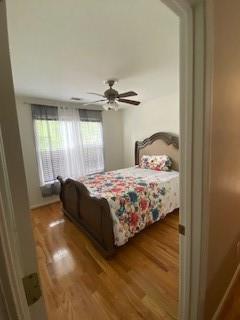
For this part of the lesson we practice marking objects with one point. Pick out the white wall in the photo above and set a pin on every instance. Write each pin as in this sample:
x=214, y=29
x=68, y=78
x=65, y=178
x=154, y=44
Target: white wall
x=113, y=142
x=153, y=116
x=113, y=139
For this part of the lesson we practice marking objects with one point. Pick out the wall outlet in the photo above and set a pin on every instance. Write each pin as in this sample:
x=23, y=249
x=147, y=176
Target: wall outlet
x=238, y=250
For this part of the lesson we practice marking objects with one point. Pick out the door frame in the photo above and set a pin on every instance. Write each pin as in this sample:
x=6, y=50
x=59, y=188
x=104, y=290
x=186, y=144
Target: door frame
x=191, y=15
x=17, y=250
x=10, y=249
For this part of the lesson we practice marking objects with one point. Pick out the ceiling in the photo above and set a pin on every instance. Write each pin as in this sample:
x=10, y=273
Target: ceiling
x=63, y=49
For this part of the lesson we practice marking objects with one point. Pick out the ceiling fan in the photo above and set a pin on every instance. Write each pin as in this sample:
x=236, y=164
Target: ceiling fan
x=111, y=97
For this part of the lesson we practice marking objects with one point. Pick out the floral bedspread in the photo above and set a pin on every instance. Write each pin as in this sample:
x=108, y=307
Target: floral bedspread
x=137, y=197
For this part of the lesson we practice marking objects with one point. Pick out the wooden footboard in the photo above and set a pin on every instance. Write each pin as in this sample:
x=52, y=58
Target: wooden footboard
x=91, y=214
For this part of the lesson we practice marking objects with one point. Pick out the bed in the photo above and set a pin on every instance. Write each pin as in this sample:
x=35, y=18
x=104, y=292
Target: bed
x=111, y=207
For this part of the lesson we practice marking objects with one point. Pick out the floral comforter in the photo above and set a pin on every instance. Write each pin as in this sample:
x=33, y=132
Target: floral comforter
x=137, y=197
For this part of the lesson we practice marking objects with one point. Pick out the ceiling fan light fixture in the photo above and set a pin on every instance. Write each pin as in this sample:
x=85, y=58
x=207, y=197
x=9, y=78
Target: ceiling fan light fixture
x=112, y=97
x=106, y=106
x=110, y=106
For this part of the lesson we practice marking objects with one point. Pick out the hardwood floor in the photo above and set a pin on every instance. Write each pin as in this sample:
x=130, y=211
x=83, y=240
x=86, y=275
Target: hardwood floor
x=139, y=282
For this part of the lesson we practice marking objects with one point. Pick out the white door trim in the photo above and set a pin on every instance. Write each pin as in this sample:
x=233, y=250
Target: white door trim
x=191, y=14
x=209, y=72
x=9, y=241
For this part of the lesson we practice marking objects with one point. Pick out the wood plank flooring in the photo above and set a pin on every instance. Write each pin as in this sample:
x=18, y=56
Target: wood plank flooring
x=139, y=282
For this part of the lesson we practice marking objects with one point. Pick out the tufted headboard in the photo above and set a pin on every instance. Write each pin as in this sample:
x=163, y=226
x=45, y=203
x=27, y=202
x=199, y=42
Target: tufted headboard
x=158, y=144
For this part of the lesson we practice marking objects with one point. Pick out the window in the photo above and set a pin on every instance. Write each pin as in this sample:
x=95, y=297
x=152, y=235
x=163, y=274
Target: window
x=50, y=149
x=69, y=142
x=92, y=138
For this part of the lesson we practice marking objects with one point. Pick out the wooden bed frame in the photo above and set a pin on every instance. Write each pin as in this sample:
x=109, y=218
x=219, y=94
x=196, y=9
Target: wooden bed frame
x=92, y=215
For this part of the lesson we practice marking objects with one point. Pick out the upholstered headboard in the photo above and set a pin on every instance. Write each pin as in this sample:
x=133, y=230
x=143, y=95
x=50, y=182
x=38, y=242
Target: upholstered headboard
x=158, y=144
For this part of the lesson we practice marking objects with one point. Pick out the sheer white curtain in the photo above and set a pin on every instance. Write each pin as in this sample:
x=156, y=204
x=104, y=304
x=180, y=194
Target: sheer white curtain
x=72, y=142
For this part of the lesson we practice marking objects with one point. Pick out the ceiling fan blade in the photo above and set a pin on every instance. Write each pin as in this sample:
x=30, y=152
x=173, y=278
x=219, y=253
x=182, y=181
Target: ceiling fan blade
x=89, y=103
x=96, y=94
x=127, y=94
x=135, y=103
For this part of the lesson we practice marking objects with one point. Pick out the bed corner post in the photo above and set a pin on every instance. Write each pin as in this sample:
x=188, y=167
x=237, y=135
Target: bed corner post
x=60, y=179
x=136, y=153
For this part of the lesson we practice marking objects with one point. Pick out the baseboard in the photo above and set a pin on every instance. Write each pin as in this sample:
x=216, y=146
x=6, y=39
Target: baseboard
x=36, y=206
x=229, y=288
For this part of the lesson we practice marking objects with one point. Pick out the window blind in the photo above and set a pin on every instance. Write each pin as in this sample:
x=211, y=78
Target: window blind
x=90, y=115
x=92, y=138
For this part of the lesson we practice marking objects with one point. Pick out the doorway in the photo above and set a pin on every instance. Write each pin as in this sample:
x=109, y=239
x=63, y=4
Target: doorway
x=186, y=15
